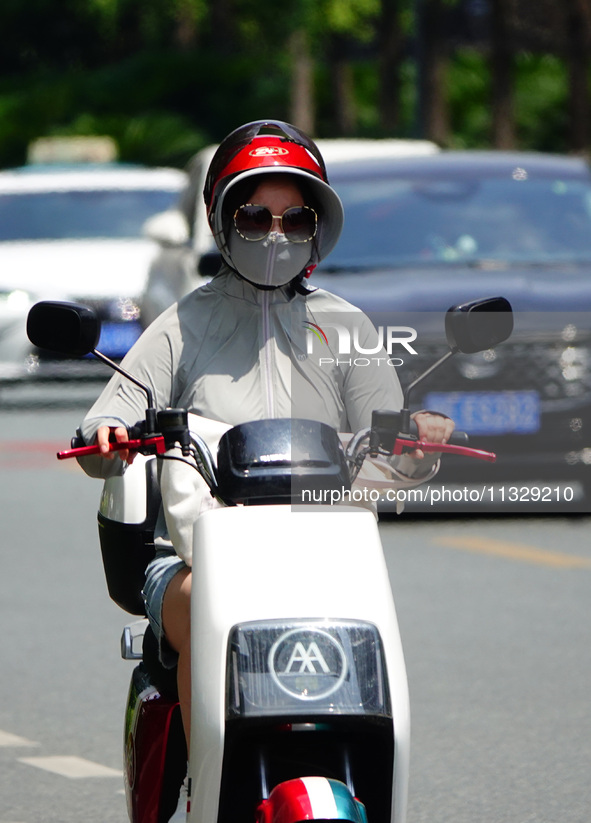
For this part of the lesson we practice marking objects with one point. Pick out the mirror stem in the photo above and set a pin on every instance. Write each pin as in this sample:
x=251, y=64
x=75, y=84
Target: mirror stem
x=151, y=420
x=405, y=411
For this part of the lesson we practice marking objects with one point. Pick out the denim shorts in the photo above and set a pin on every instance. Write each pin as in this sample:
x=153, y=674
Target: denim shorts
x=159, y=573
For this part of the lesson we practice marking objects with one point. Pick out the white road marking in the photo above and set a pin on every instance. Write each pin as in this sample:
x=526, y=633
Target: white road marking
x=72, y=767
x=7, y=739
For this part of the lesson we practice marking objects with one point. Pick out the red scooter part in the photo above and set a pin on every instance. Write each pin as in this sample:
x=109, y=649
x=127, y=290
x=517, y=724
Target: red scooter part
x=148, y=445
x=403, y=446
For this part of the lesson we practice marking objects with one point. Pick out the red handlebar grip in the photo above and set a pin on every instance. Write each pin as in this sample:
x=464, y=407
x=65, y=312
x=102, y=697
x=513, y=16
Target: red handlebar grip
x=445, y=448
x=156, y=444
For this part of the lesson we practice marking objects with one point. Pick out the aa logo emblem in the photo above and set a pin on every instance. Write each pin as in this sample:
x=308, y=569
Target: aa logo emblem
x=308, y=663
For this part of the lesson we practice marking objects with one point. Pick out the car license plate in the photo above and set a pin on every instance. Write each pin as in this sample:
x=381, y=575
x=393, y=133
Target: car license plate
x=117, y=338
x=508, y=412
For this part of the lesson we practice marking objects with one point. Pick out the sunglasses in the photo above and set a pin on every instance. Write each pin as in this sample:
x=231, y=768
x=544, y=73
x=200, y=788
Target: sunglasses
x=298, y=224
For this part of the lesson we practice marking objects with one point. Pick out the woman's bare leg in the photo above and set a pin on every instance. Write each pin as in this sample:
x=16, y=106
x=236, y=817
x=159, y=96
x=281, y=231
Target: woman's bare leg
x=176, y=618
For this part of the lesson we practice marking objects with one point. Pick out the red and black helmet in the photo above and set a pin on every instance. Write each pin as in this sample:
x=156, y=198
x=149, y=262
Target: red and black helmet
x=267, y=147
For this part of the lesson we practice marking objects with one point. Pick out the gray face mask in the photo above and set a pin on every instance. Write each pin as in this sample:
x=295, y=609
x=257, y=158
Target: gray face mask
x=272, y=262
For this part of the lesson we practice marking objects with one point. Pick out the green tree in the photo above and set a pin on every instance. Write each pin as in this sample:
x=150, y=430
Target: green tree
x=166, y=76
x=432, y=58
x=578, y=42
x=391, y=38
x=502, y=68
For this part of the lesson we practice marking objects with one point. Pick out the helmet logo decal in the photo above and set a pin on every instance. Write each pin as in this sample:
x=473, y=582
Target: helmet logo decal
x=268, y=151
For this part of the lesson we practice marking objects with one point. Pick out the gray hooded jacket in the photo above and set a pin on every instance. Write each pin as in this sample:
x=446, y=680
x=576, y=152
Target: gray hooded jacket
x=232, y=352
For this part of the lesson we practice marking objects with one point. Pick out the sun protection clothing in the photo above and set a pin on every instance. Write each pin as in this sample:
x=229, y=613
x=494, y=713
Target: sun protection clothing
x=233, y=353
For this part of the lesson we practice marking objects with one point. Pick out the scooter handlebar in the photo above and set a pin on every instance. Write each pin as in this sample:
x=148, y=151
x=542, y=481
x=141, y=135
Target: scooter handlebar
x=155, y=445
x=459, y=439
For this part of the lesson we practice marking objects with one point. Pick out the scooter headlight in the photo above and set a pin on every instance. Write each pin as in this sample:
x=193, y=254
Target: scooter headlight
x=324, y=667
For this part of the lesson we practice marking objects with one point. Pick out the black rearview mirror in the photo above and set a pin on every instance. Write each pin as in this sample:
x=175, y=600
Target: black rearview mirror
x=470, y=327
x=478, y=325
x=70, y=328
x=67, y=328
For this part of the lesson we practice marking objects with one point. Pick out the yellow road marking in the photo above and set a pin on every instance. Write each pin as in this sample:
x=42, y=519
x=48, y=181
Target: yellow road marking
x=515, y=551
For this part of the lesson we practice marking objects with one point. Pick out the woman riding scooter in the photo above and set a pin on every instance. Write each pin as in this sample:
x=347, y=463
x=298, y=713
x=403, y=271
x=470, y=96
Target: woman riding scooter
x=235, y=350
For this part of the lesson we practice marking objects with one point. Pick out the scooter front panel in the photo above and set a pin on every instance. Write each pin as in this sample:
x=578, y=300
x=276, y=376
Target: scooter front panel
x=280, y=563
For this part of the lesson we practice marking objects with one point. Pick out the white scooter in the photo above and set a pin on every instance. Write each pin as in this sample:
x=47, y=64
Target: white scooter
x=299, y=692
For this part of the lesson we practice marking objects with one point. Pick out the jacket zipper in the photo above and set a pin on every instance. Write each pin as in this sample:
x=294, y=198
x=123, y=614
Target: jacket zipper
x=268, y=353
x=267, y=358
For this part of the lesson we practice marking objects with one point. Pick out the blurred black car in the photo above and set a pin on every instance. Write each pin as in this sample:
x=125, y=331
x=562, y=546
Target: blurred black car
x=424, y=233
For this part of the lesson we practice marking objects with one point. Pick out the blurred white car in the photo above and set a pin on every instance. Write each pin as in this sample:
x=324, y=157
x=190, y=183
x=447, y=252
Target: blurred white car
x=189, y=257
x=75, y=233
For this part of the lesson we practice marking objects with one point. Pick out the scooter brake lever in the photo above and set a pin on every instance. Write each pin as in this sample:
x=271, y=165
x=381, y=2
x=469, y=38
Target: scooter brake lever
x=147, y=445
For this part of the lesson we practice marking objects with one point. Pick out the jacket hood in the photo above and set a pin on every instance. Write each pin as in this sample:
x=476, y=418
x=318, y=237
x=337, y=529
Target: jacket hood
x=330, y=223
